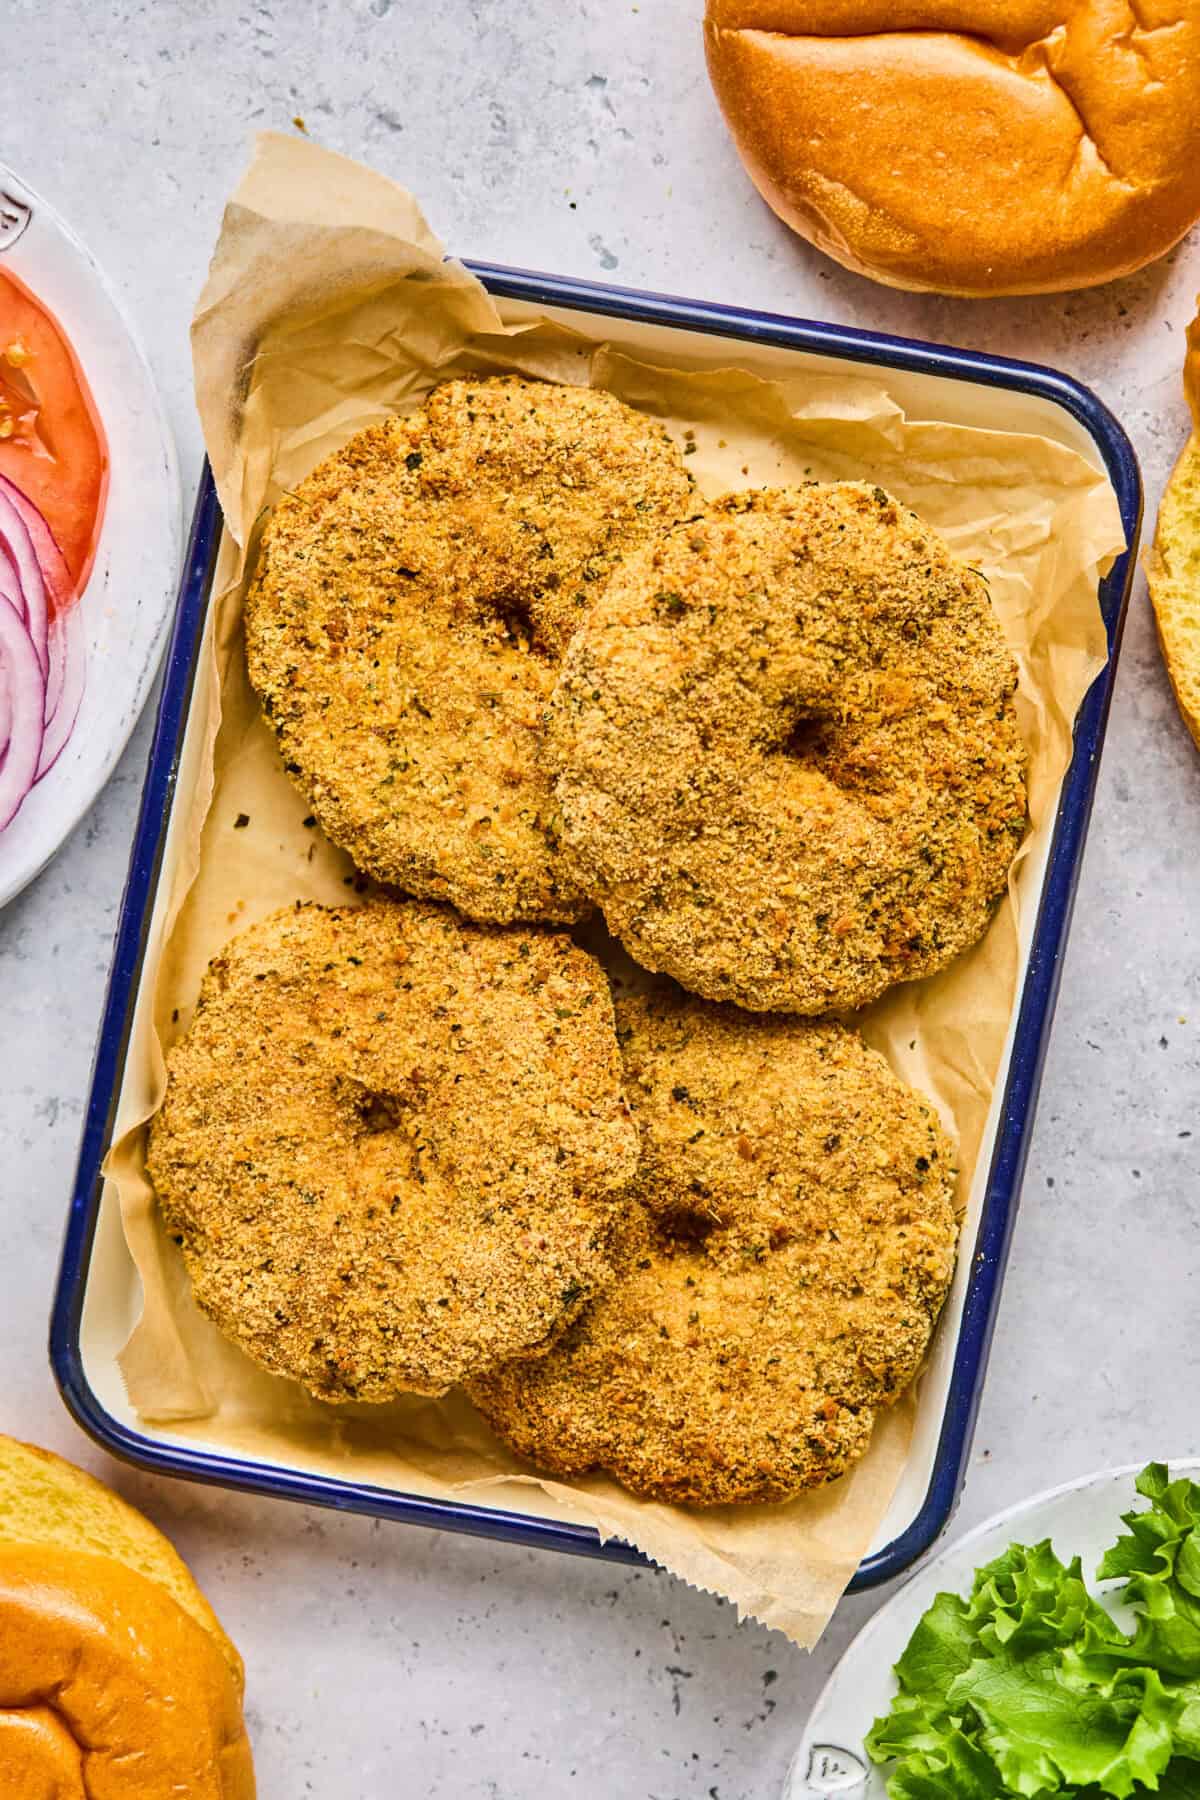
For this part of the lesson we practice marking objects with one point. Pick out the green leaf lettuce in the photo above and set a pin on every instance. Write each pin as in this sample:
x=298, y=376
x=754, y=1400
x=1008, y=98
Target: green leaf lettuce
x=1029, y=1687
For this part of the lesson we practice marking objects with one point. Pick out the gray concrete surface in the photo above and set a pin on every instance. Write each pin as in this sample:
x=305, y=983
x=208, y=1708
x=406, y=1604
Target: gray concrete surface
x=581, y=136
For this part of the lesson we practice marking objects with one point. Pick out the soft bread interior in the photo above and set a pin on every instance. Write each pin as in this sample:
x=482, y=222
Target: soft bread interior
x=1174, y=573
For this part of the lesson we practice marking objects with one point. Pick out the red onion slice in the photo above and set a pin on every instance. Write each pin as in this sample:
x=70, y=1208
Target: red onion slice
x=26, y=683
x=64, y=689
x=34, y=574
x=17, y=543
x=59, y=583
x=10, y=581
x=57, y=656
x=10, y=590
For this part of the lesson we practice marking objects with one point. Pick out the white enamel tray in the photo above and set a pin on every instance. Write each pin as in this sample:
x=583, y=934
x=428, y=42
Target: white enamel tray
x=99, y=1298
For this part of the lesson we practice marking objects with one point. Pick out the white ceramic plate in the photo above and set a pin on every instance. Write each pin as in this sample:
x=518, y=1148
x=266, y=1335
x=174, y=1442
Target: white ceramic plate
x=126, y=605
x=1083, y=1519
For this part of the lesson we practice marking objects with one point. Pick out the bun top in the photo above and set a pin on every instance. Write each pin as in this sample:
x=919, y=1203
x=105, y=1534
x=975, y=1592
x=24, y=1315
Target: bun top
x=969, y=146
x=107, y=1687
x=46, y=1500
x=116, y=1679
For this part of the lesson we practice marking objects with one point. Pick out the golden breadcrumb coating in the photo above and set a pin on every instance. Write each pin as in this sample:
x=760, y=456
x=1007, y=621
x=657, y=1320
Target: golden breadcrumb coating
x=786, y=752
x=790, y=1245
x=412, y=600
x=392, y=1144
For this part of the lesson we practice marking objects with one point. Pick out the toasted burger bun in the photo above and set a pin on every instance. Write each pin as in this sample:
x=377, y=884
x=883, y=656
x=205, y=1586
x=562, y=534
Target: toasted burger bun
x=968, y=146
x=45, y=1500
x=108, y=1688
x=115, y=1677
x=1173, y=563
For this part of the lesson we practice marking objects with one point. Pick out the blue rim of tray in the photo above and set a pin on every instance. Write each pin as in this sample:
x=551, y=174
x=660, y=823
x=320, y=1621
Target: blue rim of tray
x=1038, y=994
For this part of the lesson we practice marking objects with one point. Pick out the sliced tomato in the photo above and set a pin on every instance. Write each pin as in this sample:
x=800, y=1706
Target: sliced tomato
x=52, y=444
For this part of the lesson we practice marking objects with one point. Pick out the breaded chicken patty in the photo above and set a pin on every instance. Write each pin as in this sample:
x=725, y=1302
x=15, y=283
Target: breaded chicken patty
x=412, y=600
x=786, y=753
x=790, y=1244
x=393, y=1143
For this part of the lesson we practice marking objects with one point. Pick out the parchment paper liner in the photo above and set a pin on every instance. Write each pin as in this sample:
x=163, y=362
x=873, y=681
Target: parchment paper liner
x=329, y=304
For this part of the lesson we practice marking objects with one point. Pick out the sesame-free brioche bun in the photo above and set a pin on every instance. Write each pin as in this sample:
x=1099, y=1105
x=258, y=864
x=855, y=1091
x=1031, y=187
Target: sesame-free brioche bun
x=116, y=1680
x=969, y=146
